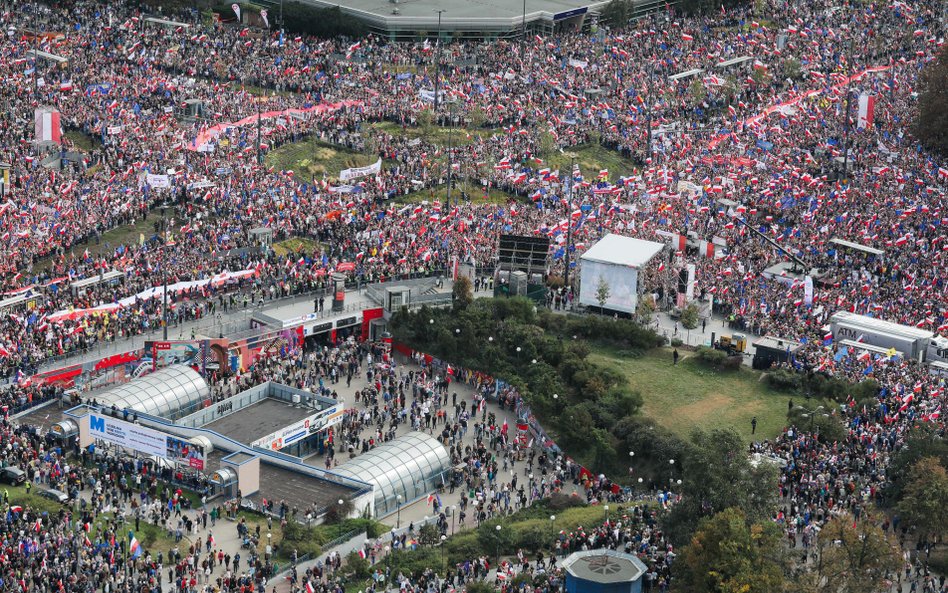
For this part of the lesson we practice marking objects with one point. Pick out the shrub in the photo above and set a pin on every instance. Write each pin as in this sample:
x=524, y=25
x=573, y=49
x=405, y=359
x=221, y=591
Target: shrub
x=461, y=547
x=302, y=539
x=711, y=356
x=337, y=513
x=534, y=534
x=429, y=535
x=676, y=342
x=357, y=566
x=560, y=502
x=783, y=380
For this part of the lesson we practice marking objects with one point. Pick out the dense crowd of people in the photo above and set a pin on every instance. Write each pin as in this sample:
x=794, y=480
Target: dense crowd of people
x=773, y=143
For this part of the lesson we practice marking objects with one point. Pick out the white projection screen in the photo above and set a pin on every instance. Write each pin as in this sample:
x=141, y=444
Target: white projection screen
x=622, y=281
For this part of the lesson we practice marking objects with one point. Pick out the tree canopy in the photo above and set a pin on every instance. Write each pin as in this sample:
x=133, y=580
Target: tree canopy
x=932, y=123
x=717, y=474
x=729, y=553
x=925, y=499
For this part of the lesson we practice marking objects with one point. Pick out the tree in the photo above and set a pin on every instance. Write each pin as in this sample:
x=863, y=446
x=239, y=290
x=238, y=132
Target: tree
x=851, y=557
x=932, y=123
x=645, y=308
x=689, y=316
x=357, y=566
x=732, y=554
x=429, y=535
x=617, y=13
x=792, y=68
x=697, y=91
x=828, y=427
x=921, y=442
x=717, y=474
x=602, y=447
x=546, y=143
x=926, y=498
x=461, y=293
x=602, y=292
x=426, y=119
x=337, y=513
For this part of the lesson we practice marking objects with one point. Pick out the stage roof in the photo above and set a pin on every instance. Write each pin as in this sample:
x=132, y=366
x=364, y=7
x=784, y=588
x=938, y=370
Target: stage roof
x=622, y=251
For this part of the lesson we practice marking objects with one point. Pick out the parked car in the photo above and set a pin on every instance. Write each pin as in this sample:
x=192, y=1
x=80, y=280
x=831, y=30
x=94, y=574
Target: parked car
x=57, y=495
x=12, y=475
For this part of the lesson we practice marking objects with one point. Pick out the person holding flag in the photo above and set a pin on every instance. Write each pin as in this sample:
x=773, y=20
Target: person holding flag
x=134, y=547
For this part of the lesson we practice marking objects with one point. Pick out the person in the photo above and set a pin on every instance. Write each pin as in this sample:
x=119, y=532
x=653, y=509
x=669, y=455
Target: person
x=790, y=406
x=753, y=424
x=704, y=323
x=675, y=356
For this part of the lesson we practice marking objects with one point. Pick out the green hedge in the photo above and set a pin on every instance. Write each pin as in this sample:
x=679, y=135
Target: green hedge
x=819, y=385
x=310, y=540
x=718, y=359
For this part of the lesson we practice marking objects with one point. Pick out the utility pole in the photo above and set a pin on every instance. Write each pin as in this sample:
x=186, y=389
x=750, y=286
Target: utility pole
x=164, y=306
x=849, y=95
x=648, y=124
x=36, y=50
x=450, y=156
x=438, y=66
x=523, y=33
x=569, y=218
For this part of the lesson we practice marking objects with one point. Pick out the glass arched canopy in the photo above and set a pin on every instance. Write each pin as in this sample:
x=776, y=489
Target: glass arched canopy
x=411, y=466
x=170, y=393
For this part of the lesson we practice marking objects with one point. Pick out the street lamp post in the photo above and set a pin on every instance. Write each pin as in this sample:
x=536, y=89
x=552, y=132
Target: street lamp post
x=443, y=538
x=849, y=95
x=569, y=220
x=498, y=528
x=164, y=306
x=259, y=150
x=438, y=65
x=398, y=517
x=811, y=414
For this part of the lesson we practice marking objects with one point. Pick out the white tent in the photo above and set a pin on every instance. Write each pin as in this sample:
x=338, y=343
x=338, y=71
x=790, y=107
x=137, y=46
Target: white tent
x=615, y=260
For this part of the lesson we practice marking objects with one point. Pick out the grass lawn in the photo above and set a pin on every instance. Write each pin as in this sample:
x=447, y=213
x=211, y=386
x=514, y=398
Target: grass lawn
x=260, y=91
x=82, y=141
x=294, y=245
x=125, y=234
x=691, y=394
x=459, y=136
x=152, y=538
x=591, y=159
x=310, y=159
x=476, y=191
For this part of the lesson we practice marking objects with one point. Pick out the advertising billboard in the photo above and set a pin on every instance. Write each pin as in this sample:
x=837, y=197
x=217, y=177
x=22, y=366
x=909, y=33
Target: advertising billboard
x=194, y=353
x=146, y=440
x=299, y=430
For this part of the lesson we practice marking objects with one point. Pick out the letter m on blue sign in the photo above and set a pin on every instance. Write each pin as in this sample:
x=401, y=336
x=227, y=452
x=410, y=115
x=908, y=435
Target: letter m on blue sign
x=96, y=424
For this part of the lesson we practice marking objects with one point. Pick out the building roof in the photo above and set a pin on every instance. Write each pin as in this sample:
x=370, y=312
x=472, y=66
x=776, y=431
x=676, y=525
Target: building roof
x=622, y=251
x=604, y=566
x=458, y=14
x=409, y=466
x=880, y=325
x=164, y=393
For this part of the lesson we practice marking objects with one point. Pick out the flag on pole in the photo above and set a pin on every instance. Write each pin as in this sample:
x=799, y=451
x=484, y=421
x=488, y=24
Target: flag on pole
x=867, y=105
x=134, y=548
x=236, y=9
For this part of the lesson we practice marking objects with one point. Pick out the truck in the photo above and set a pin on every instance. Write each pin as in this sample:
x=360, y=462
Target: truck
x=910, y=342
